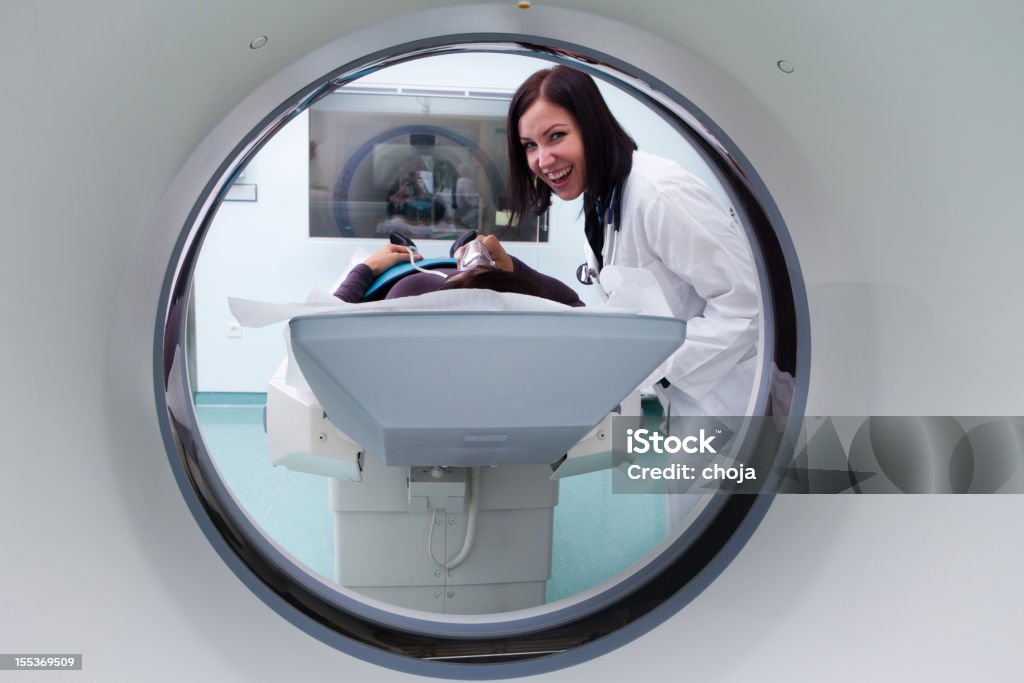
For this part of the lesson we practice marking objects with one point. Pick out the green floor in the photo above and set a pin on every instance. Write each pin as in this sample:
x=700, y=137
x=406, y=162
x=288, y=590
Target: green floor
x=596, y=534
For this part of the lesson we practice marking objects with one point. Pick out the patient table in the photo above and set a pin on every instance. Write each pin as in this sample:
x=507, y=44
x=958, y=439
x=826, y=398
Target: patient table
x=444, y=434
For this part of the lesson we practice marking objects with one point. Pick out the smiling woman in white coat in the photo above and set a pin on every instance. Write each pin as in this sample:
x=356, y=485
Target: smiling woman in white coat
x=644, y=212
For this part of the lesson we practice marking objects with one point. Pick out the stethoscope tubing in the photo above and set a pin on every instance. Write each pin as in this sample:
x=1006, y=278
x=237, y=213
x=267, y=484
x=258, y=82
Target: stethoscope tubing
x=587, y=273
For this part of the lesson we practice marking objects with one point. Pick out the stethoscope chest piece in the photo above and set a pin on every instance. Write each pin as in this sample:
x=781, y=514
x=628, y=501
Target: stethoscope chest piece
x=585, y=274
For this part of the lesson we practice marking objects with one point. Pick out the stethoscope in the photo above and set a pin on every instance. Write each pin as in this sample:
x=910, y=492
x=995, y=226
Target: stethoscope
x=588, y=271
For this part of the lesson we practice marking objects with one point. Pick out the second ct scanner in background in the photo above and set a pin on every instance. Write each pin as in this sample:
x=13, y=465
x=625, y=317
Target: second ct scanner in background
x=888, y=142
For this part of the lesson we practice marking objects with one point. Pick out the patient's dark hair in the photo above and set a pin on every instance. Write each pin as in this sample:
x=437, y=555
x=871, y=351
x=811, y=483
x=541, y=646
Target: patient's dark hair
x=490, y=278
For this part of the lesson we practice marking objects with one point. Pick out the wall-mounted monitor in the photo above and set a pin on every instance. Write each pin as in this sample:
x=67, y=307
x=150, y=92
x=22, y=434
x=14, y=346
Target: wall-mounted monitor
x=430, y=163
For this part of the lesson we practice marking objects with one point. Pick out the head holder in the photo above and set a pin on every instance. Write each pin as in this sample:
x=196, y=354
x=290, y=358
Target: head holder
x=475, y=255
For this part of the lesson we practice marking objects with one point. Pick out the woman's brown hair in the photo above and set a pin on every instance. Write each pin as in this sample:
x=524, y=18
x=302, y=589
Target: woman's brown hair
x=607, y=147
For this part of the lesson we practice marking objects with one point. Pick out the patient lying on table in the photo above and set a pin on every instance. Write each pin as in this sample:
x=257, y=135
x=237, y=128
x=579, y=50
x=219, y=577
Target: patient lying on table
x=483, y=264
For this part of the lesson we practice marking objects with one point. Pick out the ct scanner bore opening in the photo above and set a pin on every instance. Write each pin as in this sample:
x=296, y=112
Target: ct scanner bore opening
x=498, y=642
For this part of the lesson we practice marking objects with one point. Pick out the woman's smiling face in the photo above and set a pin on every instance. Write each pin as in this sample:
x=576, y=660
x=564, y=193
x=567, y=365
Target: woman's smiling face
x=553, y=143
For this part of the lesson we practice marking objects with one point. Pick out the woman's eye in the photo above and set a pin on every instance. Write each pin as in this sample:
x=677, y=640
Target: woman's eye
x=529, y=145
x=557, y=136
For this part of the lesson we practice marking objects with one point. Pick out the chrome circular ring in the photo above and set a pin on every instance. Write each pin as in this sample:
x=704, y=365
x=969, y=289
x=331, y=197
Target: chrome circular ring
x=560, y=636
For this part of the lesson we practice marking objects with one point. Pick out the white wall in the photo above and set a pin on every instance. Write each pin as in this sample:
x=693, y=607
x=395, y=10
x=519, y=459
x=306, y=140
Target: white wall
x=261, y=250
x=894, y=164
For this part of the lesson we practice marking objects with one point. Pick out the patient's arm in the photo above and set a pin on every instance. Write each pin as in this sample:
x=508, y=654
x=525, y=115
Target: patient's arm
x=547, y=286
x=362, y=276
x=358, y=280
x=387, y=256
x=497, y=252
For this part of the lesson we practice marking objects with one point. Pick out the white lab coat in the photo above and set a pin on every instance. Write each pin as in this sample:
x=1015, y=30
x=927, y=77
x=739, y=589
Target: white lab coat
x=672, y=225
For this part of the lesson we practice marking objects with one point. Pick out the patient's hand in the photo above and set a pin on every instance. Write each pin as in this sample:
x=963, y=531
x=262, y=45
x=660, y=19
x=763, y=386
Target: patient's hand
x=497, y=252
x=387, y=256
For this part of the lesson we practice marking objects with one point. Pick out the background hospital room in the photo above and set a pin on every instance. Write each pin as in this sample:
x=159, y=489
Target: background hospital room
x=313, y=202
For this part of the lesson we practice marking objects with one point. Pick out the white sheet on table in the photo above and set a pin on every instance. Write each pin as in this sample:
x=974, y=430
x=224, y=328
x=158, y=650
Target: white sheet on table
x=259, y=314
x=634, y=291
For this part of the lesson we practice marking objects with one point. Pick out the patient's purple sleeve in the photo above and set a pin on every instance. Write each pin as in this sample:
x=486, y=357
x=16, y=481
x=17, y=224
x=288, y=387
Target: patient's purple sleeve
x=361, y=278
x=415, y=284
x=355, y=285
x=547, y=287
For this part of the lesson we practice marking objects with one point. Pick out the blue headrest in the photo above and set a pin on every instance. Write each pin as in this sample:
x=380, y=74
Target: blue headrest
x=396, y=273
